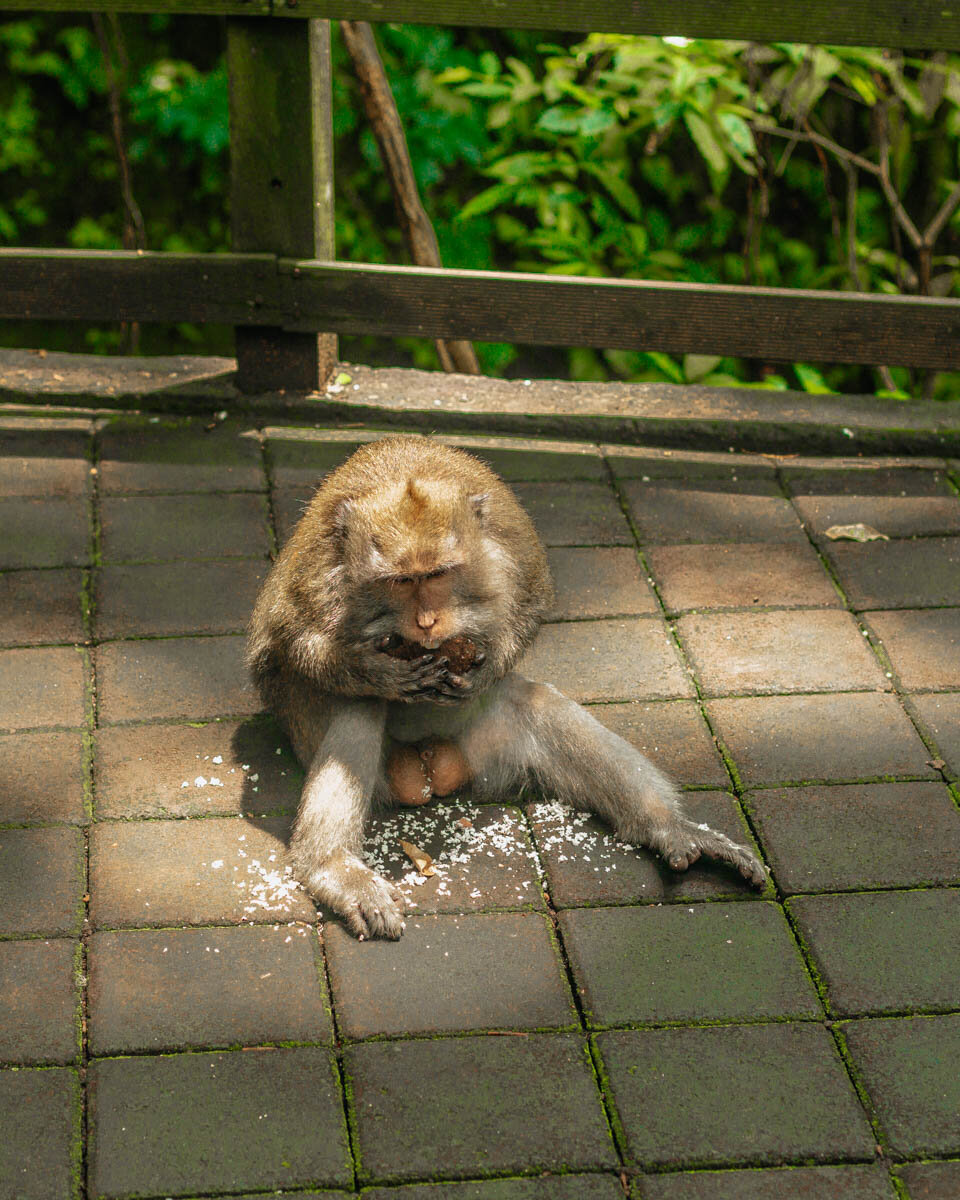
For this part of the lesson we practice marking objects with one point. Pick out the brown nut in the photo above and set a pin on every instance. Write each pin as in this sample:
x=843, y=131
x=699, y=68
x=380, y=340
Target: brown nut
x=460, y=653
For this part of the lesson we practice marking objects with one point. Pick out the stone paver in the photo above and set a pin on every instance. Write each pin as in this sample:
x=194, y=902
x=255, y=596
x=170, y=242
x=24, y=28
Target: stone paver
x=770, y=652
x=884, y=951
x=549, y=1187
x=741, y=576
x=910, y=1067
x=40, y=606
x=941, y=716
x=289, y=504
x=854, y=1182
x=586, y=864
x=924, y=646
x=673, y=735
x=44, y=462
x=712, y=511
x=41, y=778
x=41, y=687
x=647, y=462
x=171, y=455
x=476, y=1106
x=598, y=582
x=40, y=1148
x=757, y=1094
x=41, y=881
x=161, y=528
x=172, y=598
x=149, y=873
x=203, y=1123
x=482, y=854
x=182, y=988
x=175, y=678
x=44, y=533
x=895, y=516
x=217, y=769
x=608, y=660
x=877, y=835
x=852, y=478
x=427, y=982
x=304, y=456
x=575, y=514
x=931, y=1180
x=781, y=739
x=703, y=962
x=39, y=1002
x=898, y=574
x=521, y=460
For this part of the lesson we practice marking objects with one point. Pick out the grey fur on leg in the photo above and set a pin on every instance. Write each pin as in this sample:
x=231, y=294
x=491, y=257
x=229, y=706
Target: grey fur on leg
x=334, y=807
x=530, y=728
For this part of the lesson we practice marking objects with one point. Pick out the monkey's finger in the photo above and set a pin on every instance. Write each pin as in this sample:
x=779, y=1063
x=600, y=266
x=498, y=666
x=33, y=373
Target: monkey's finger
x=353, y=915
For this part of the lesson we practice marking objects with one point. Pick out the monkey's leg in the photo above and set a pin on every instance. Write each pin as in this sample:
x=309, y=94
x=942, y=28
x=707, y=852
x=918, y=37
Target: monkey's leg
x=530, y=728
x=328, y=833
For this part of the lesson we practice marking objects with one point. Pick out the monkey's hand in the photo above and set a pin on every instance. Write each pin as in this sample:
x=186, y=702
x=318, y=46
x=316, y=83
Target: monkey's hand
x=455, y=686
x=400, y=678
x=370, y=905
x=683, y=841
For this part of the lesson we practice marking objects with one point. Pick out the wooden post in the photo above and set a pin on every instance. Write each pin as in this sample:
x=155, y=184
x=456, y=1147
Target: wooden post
x=281, y=180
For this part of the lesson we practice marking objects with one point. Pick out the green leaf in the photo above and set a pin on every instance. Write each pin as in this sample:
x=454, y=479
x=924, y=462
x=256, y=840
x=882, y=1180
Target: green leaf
x=811, y=380
x=696, y=366
x=703, y=137
x=487, y=200
x=666, y=365
x=617, y=186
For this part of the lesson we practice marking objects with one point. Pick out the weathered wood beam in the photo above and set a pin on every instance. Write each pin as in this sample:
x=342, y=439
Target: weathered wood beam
x=680, y=318
x=129, y=285
x=281, y=181
x=915, y=24
x=300, y=296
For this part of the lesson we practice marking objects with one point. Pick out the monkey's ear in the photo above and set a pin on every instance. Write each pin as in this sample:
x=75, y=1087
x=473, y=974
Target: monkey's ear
x=340, y=521
x=479, y=503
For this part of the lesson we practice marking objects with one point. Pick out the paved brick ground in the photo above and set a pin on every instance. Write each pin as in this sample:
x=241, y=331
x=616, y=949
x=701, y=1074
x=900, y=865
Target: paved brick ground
x=565, y=1018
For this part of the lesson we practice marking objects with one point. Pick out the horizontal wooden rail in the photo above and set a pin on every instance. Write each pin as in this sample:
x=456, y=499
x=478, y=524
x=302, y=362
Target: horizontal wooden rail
x=916, y=24
x=301, y=296
x=127, y=285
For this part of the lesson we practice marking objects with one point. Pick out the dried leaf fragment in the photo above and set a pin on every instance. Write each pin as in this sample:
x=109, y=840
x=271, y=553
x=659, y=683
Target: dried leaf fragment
x=420, y=858
x=937, y=763
x=855, y=533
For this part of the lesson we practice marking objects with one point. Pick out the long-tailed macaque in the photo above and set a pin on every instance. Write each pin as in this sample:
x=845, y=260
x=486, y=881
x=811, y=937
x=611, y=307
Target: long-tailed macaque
x=412, y=538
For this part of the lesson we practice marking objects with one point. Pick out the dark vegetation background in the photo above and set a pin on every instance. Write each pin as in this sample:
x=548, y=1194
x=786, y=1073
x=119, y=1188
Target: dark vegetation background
x=782, y=165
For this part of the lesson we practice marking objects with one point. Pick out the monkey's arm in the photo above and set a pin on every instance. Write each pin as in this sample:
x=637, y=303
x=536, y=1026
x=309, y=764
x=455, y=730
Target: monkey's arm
x=328, y=833
x=531, y=729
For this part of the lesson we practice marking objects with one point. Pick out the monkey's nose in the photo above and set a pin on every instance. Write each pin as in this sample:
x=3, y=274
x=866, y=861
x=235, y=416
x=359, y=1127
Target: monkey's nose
x=426, y=619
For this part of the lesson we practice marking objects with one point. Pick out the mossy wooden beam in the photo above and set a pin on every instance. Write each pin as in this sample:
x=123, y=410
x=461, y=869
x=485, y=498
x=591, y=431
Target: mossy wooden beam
x=915, y=24
x=281, y=181
x=777, y=324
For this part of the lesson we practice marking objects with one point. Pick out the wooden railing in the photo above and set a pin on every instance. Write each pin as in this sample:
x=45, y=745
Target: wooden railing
x=282, y=284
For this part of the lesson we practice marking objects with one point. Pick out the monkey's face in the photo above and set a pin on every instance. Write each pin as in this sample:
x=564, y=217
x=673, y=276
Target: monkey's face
x=410, y=550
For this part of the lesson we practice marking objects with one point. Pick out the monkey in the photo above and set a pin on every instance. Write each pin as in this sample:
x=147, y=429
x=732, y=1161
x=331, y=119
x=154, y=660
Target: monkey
x=413, y=539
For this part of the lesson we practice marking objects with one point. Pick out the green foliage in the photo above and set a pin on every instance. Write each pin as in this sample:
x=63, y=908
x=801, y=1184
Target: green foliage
x=651, y=158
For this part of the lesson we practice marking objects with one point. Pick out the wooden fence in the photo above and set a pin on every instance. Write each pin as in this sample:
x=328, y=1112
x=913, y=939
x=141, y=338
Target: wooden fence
x=282, y=284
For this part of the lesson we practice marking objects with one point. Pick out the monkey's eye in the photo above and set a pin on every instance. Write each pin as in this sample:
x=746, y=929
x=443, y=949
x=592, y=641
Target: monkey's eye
x=437, y=573
x=401, y=579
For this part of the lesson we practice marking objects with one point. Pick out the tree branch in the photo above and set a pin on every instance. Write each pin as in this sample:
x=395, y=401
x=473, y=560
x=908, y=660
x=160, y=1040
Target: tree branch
x=418, y=232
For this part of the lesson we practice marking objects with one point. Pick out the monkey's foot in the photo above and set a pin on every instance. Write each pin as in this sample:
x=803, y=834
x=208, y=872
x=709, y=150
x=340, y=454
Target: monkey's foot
x=685, y=842
x=370, y=905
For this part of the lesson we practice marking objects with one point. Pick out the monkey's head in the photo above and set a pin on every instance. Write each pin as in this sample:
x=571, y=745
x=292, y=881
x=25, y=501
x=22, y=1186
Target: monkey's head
x=415, y=549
